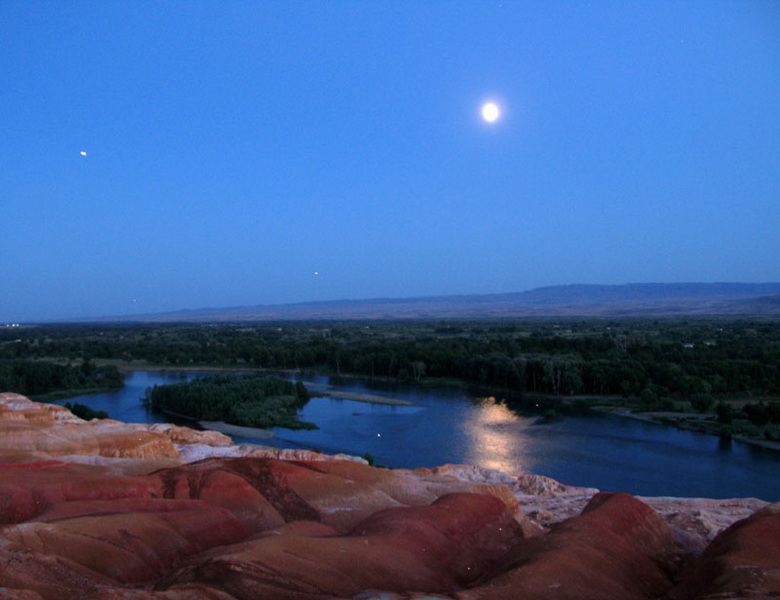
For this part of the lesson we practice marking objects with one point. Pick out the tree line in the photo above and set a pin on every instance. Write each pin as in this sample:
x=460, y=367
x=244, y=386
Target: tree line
x=652, y=360
x=36, y=378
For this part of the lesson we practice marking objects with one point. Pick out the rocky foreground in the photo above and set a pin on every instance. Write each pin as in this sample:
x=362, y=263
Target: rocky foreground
x=103, y=510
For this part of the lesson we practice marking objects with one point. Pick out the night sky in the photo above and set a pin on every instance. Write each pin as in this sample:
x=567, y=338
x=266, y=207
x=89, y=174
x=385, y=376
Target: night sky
x=168, y=155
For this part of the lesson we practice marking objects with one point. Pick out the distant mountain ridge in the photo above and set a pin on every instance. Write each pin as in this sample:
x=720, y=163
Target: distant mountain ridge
x=575, y=300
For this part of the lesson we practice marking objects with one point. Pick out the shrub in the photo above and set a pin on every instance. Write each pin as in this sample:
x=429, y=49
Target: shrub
x=702, y=402
x=725, y=413
x=82, y=411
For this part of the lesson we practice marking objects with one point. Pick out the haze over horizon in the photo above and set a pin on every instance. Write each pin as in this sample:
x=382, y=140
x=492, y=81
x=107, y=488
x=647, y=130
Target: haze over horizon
x=168, y=156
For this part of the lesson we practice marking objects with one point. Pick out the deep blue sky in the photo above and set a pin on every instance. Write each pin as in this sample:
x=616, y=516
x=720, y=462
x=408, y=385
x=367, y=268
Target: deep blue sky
x=235, y=149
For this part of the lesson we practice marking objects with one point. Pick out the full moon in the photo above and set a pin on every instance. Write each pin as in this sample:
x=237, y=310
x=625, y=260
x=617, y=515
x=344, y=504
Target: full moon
x=490, y=112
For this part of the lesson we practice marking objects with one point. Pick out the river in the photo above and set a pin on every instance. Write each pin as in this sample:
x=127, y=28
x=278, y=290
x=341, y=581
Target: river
x=452, y=425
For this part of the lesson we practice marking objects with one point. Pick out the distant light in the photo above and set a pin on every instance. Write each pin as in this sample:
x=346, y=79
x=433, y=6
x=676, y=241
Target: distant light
x=490, y=112
x=316, y=272
x=83, y=153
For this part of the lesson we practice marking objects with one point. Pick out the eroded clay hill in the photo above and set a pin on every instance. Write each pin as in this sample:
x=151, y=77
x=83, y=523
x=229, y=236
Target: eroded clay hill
x=104, y=510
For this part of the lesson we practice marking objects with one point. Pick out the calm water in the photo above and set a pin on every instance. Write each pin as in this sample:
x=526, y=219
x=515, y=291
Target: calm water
x=449, y=425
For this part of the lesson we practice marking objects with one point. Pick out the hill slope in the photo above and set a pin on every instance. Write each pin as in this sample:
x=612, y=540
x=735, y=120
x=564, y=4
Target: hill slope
x=640, y=299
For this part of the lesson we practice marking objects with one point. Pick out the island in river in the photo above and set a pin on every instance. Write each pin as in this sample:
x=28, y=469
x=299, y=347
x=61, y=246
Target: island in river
x=733, y=418
x=264, y=434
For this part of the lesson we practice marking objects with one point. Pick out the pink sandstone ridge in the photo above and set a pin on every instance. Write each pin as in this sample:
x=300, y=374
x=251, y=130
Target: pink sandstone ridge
x=105, y=510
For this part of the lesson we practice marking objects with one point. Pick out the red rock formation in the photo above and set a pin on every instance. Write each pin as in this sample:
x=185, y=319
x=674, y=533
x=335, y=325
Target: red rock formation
x=103, y=510
x=267, y=492
x=252, y=489
x=141, y=542
x=28, y=490
x=743, y=561
x=617, y=549
x=432, y=549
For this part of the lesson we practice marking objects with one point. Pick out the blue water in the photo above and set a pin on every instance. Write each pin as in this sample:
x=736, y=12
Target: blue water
x=452, y=425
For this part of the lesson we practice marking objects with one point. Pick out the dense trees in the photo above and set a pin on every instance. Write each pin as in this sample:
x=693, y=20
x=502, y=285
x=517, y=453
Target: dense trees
x=729, y=367
x=86, y=412
x=683, y=360
x=34, y=378
x=251, y=400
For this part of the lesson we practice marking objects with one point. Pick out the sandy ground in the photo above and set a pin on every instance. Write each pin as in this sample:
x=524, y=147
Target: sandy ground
x=360, y=397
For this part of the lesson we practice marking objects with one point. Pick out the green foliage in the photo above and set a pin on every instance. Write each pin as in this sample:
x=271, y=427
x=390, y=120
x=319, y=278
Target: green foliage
x=34, y=378
x=702, y=402
x=725, y=412
x=648, y=399
x=250, y=400
x=681, y=359
x=85, y=412
x=662, y=364
x=757, y=414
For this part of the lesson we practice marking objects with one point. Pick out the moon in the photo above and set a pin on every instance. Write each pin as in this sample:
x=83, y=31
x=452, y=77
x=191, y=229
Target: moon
x=490, y=112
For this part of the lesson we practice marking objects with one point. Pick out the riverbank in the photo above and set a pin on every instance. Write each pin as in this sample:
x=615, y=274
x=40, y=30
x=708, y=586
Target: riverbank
x=139, y=366
x=265, y=434
x=58, y=395
x=681, y=421
x=262, y=433
x=357, y=396
x=450, y=426
x=247, y=432
x=685, y=421
x=337, y=395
